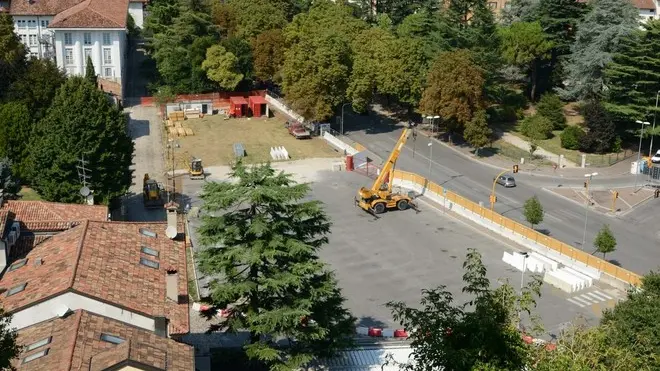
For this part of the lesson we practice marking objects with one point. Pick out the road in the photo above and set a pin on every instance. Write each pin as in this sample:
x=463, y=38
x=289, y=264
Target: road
x=636, y=234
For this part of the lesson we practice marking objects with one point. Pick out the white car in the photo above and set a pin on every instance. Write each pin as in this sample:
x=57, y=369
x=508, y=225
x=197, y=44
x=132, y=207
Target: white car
x=656, y=158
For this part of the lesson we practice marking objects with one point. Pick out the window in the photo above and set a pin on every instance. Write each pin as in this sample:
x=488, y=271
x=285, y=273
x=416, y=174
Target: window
x=87, y=38
x=16, y=289
x=149, y=251
x=146, y=232
x=111, y=338
x=68, y=56
x=44, y=24
x=88, y=54
x=21, y=24
x=17, y=265
x=70, y=71
x=34, y=55
x=36, y=355
x=107, y=72
x=107, y=56
x=106, y=39
x=33, y=40
x=32, y=24
x=23, y=38
x=38, y=344
x=68, y=39
x=149, y=263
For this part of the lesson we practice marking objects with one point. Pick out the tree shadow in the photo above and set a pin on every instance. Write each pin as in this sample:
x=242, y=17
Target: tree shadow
x=369, y=321
x=544, y=231
x=614, y=261
x=138, y=128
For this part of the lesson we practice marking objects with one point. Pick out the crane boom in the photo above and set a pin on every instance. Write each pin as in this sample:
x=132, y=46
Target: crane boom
x=391, y=162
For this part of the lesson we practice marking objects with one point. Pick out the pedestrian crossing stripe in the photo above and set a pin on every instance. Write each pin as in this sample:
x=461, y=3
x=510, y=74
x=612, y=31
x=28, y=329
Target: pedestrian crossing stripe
x=590, y=298
x=576, y=303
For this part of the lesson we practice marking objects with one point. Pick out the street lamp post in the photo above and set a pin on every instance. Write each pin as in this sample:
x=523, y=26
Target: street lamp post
x=432, y=118
x=657, y=95
x=525, y=255
x=586, y=207
x=342, y=118
x=639, y=151
x=430, y=156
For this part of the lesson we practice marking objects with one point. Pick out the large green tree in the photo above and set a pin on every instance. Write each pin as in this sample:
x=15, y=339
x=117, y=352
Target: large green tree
x=12, y=54
x=263, y=240
x=221, y=66
x=481, y=334
x=525, y=45
x=16, y=126
x=317, y=66
x=601, y=130
x=38, y=86
x=268, y=54
x=477, y=132
x=80, y=122
x=9, y=185
x=252, y=17
x=633, y=78
x=520, y=11
x=458, y=101
x=598, y=36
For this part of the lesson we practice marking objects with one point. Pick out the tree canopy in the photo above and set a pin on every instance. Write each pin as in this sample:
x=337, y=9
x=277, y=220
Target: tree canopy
x=264, y=240
x=12, y=53
x=82, y=121
x=221, y=66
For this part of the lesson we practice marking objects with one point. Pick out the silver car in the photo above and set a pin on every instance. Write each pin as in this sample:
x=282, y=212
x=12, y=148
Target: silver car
x=506, y=180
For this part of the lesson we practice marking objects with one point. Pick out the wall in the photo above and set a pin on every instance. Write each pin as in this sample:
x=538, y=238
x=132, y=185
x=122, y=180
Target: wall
x=339, y=144
x=42, y=22
x=135, y=9
x=46, y=310
x=280, y=106
x=519, y=233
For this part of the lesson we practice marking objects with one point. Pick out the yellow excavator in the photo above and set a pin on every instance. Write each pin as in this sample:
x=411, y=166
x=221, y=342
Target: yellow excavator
x=152, y=193
x=379, y=198
x=195, y=169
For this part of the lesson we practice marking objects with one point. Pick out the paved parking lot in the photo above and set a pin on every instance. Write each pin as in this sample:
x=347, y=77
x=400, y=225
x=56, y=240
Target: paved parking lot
x=398, y=255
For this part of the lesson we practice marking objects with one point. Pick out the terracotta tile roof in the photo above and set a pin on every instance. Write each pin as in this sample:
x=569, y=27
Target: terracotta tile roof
x=76, y=345
x=39, y=7
x=644, y=4
x=111, y=87
x=24, y=245
x=4, y=216
x=93, y=14
x=52, y=216
x=102, y=260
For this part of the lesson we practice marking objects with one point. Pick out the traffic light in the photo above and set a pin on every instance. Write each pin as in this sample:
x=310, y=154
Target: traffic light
x=515, y=169
x=493, y=199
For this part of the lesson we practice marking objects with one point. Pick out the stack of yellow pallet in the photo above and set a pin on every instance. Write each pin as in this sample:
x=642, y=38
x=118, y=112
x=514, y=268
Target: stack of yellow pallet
x=177, y=116
x=175, y=127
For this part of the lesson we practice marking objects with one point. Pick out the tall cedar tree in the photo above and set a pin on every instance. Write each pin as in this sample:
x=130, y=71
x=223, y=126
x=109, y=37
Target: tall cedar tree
x=551, y=107
x=634, y=322
x=264, y=240
x=601, y=130
x=12, y=54
x=16, y=126
x=90, y=73
x=37, y=87
x=599, y=35
x=477, y=132
x=8, y=183
x=317, y=65
x=520, y=11
x=456, y=103
x=633, y=78
x=398, y=10
x=478, y=335
x=82, y=121
x=9, y=348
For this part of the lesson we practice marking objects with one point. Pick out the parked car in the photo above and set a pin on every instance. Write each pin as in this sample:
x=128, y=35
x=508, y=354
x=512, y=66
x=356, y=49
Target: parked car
x=506, y=180
x=656, y=158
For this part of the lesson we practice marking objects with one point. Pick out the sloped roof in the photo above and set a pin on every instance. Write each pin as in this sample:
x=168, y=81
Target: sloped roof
x=102, y=260
x=93, y=14
x=39, y=7
x=75, y=344
x=40, y=216
x=644, y=4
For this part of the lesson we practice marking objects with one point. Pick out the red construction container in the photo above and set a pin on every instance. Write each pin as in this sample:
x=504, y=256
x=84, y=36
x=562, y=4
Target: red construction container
x=238, y=107
x=258, y=105
x=349, y=163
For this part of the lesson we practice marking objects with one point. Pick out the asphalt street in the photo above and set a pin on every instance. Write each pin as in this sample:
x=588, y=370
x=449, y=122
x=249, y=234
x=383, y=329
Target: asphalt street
x=638, y=246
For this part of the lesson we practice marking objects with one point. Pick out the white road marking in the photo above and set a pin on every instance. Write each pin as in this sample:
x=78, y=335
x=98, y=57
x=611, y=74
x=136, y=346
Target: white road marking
x=576, y=303
x=601, y=295
x=582, y=299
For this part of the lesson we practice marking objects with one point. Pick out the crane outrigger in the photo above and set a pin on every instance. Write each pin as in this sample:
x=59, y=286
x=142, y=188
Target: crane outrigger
x=379, y=197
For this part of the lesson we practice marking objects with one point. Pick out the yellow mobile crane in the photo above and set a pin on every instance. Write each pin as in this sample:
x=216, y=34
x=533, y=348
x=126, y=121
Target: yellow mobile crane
x=379, y=197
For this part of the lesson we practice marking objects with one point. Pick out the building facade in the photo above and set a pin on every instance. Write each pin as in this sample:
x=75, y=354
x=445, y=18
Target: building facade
x=71, y=31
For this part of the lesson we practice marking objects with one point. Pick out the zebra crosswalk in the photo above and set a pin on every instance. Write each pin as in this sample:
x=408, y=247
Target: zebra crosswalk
x=591, y=298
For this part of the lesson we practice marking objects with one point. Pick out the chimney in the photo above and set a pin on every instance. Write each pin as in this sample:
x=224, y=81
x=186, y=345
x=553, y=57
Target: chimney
x=172, y=219
x=172, y=285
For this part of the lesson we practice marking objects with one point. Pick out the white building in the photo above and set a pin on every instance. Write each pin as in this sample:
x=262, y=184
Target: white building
x=648, y=9
x=69, y=31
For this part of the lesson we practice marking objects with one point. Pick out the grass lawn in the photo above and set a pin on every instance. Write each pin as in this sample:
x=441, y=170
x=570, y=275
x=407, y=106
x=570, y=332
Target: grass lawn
x=215, y=136
x=29, y=194
x=511, y=152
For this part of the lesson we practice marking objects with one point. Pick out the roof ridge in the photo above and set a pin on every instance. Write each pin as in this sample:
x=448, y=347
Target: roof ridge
x=80, y=247
x=79, y=314
x=102, y=16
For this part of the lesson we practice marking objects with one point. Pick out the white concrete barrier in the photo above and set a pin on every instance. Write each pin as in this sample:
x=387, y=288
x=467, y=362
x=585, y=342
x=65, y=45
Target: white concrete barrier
x=279, y=153
x=339, y=144
x=587, y=281
x=274, y=102
x=556, y=279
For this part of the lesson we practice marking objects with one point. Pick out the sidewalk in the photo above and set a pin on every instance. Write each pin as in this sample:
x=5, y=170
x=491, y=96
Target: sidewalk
x=601, y=199
x=524, y=145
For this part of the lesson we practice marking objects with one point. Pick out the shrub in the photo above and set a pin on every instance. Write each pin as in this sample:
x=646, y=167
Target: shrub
x=536, y=127
x=571, y=137
x=551, y=107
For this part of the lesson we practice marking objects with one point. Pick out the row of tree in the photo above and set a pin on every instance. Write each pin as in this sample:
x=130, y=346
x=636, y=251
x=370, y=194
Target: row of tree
x=456, y=61
x=49, y=122
x=262, y=237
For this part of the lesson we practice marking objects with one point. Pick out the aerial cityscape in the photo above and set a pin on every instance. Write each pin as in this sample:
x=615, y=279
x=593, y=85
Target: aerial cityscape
x=334, y=185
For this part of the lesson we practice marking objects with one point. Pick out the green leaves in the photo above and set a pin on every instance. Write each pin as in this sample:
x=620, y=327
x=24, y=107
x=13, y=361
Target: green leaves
x=262, y=241
x=80, y=122
x=221, y=66
x=533, y=211
x=477, y=132
x=605, y=241
x=12, y=54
